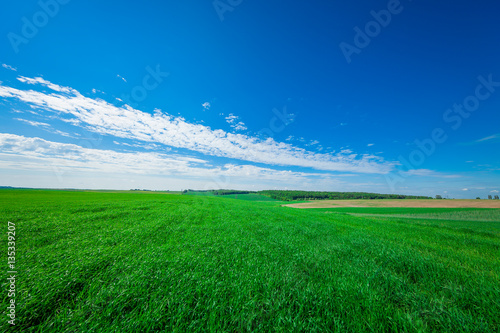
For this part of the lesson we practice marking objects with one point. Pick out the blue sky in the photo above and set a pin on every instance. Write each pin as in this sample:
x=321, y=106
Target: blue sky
x=377, y=96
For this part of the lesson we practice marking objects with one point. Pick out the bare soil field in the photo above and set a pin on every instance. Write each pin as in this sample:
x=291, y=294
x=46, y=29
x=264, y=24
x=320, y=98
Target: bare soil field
x=422, y=203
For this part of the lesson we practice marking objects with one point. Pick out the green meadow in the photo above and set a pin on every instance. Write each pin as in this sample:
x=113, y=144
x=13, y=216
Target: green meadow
x=159, y=262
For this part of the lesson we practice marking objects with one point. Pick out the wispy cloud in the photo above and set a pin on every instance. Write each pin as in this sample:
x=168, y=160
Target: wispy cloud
x=312, y=143
x=428, y=173
x=42, y=82
x=32, y=123
x=488, y=138
x=60, y=158
x=9, y=67
x=74, y=157
x=239, y=126
x=493, y=137
x=370, y=145
x=46, y=127
x=206, y=106
x=101, y=117
x=150, y=146
x=232, y=120
x=121, y=77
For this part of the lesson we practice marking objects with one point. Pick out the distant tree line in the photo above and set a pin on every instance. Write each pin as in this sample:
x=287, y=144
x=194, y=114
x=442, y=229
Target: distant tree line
x=190, y=190
x=312, y=195
x=218, y=192
x=227, y=192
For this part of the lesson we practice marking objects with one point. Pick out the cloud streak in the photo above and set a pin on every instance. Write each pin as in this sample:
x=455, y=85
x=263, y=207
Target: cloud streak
x=62, y=159
x=32, y=123
x=428, y=173
x=491, y=137
x=99, y=116
x=121, y=77
x=9, y=67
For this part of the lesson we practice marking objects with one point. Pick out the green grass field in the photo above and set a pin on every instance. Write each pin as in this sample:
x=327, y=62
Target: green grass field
x=154, y=262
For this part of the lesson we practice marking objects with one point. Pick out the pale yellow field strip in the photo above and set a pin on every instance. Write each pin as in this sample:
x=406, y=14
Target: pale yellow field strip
x=410, y=203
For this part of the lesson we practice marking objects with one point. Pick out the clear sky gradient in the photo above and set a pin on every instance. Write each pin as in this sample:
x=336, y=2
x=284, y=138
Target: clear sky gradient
x=377, y=96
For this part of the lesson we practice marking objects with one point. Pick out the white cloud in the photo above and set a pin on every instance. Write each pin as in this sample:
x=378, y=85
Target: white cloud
x=494, y=191
x=125, y=122
x=41, y=81
x=231, y=119
x=121, y=77
x=465, y=189
x=32, y=123
x=63, y=133
x=9, y=67
x=240, y=126
x=428, y=173
x=370, y=144
x=46, y=127
x=206, y=106
x=73, y=156
x=61, y=159
x=312, y=143
x=150, y=146
x=491, y=137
